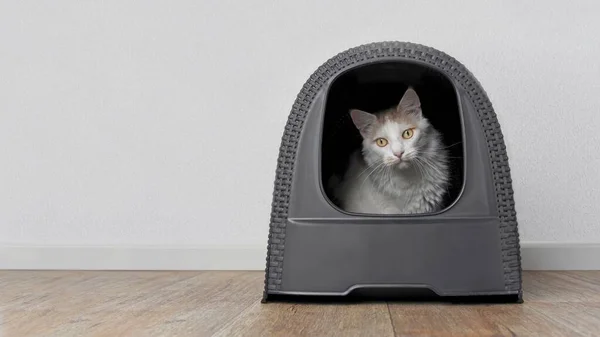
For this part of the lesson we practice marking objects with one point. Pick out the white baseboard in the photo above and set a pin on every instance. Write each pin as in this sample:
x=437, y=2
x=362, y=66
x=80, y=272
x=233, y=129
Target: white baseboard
x=560, y=256
x=535, y=256
x=133, y=257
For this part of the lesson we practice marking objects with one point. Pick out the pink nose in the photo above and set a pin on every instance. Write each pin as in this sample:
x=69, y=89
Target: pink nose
x=399, y=154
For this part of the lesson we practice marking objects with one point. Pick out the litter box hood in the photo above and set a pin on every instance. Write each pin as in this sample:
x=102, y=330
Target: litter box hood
x=471, y=248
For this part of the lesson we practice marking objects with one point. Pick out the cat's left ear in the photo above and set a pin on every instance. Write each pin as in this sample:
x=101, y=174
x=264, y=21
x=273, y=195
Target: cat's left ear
x=410, y=103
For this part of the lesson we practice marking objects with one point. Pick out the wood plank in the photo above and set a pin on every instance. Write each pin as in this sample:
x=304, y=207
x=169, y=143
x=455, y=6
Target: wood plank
x=581, y=317
x=134, y=303
x=285, y=319
x=473, y=320
x=560, y=286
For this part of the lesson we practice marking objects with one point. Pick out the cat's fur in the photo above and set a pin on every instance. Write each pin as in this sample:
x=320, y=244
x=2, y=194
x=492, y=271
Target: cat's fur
x=378, y=181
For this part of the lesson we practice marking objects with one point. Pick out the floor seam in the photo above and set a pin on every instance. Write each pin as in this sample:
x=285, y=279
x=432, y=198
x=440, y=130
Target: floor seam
x=391, y=320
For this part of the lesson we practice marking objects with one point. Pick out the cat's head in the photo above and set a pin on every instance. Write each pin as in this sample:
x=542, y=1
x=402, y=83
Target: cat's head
x=393, y=137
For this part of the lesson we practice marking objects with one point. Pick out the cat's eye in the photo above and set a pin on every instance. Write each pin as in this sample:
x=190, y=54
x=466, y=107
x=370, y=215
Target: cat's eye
x=381, y=142
x=408, y=133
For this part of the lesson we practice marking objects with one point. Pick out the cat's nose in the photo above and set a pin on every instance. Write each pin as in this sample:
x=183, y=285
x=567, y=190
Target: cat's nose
x=399, y=154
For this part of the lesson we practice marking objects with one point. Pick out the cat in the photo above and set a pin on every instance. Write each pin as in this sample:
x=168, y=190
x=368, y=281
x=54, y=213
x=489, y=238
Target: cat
x=402, y=167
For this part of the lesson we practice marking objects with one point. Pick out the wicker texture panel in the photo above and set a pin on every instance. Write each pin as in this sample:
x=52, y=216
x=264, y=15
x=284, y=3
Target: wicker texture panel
x=489, y=124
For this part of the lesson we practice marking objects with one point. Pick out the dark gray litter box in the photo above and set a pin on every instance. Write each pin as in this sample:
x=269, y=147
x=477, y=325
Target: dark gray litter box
x=468, y=250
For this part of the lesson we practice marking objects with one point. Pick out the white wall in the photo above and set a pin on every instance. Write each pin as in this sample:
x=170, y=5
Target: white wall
x=158, y=122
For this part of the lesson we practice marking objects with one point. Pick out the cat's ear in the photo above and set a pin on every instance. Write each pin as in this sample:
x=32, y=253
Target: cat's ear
x=362, y=120
x=410, y=103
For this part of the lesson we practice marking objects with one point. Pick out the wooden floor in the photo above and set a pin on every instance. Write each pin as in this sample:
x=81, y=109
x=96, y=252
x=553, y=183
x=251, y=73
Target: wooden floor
x=37, y=303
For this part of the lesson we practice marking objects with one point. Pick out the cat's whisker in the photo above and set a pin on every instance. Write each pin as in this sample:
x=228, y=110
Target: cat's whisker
x=374, y=170
x=430, y=165
x=368, y=171
x=449, y=146
x=369, y=167
x=419, y=167
x=438, y=153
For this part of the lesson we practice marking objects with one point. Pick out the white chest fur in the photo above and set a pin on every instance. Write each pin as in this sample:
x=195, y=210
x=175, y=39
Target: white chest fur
x=387, y=192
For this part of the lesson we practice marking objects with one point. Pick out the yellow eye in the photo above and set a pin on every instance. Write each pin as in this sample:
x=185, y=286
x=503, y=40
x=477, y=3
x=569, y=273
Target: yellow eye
x=408, y=133
x=381, y=142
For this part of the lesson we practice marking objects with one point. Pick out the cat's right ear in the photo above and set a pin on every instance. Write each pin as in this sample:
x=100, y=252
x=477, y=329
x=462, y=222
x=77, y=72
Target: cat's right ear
x=363, y=121
x=410, y=103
